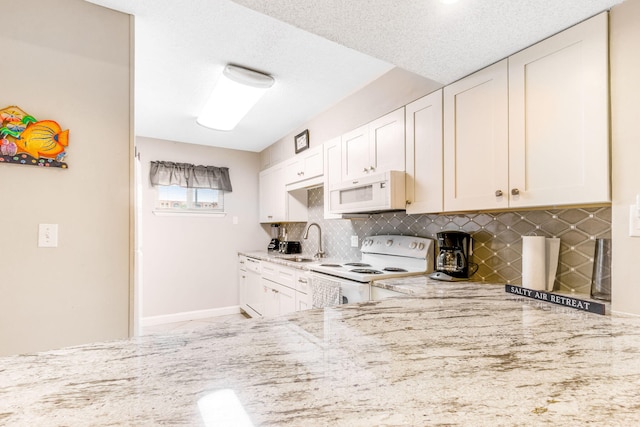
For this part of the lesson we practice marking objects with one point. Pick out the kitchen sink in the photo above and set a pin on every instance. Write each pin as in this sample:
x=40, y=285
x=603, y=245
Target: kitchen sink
x=298, y=259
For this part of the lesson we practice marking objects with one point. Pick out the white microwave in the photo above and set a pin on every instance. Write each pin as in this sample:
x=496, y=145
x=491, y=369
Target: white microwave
x=374, y=193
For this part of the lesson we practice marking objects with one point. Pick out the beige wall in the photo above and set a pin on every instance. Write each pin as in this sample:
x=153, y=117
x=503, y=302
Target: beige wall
x=67, y=61
x=625, y=111
x=190, y=263
x=393, y=90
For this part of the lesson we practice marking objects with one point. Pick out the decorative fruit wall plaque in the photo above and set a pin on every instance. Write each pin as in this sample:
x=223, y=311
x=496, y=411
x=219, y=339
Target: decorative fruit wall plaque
x=28, y=141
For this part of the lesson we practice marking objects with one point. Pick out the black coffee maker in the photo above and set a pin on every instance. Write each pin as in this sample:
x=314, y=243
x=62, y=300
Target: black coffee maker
x=452, y=262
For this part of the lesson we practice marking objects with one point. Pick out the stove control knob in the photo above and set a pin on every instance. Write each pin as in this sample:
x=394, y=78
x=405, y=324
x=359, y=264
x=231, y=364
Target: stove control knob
x=421, y=246
x=413, y=245
x=389, y=242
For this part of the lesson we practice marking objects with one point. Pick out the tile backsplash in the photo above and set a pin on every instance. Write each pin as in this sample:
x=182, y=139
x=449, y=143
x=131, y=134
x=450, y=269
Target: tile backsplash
x=497, y=237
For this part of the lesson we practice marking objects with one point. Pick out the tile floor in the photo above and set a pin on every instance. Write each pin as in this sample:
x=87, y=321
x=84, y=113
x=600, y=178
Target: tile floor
x=190, y=325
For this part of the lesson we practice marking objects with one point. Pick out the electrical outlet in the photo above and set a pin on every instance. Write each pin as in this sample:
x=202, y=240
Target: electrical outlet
x=48, y=235
x=354, y=241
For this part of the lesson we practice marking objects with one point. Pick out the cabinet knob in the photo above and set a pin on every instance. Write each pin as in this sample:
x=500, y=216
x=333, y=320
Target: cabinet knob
x=515, y=191
x=498, y=193
x=365, y=170
x=408, y=202
x=371, y=168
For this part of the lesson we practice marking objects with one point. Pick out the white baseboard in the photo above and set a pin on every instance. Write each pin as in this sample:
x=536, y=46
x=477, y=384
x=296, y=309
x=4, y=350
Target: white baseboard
x=188, y=315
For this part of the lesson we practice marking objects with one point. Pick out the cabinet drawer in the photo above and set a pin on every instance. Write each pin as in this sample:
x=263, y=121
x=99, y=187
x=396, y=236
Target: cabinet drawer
x=303, y=284
x=278, y=274
x=251, y=264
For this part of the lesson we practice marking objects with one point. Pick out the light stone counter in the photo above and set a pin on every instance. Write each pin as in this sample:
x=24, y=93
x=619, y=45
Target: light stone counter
x=464, y=354
x=281, y=259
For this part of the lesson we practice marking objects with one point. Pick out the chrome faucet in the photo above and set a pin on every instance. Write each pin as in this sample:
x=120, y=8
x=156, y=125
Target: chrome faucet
x=320, y=253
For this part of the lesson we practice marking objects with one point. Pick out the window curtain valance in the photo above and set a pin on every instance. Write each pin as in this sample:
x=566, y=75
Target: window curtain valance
x=190, y=176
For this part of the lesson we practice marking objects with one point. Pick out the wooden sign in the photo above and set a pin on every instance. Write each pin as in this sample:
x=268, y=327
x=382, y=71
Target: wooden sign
x=563, y=300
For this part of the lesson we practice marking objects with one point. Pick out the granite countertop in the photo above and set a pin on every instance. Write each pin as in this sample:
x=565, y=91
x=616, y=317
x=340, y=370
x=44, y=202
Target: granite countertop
x=461, y=354
x=278, y=258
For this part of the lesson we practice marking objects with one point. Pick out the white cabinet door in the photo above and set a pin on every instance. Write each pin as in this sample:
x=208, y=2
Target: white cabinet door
x=286, y=300
x=355, y=153
x=242, y=282
x=476, y=141
x=424, y=154
x=558, y=119
x=375, y=147
x=306, y=165
x=254, y=294
x=293, y=170
x=387, y=143
x=272, y=195
x=332, y=172
x=303, y=291
x=276, y=203
x=313, y=162
x=278, y=299
x=271, y=305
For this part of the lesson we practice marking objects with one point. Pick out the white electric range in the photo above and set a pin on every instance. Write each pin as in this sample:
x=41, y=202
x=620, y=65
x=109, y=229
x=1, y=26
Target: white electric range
x=383, y=257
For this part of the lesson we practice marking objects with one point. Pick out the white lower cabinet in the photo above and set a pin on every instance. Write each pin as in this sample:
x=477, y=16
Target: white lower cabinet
x=268, y=289
x=251, y=294
x=303, y=291
x=278, y=299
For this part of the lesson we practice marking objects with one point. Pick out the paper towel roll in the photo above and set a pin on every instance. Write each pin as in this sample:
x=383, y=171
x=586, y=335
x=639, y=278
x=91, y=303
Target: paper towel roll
x=534, y=262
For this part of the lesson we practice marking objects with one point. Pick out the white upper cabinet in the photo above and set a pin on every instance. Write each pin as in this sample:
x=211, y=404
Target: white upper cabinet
x=558, y=119
x=332, y=172
x=276, y=203
x=476, y=140
x=424, y=154
x=532, y=130
x=304, y=166
x=272, y=194
x=375, y=147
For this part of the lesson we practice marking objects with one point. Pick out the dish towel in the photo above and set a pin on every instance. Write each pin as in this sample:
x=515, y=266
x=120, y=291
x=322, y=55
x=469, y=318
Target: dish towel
x=325, y=293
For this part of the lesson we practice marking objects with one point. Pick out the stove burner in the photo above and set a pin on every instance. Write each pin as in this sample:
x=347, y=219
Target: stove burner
x=366, y=271
x=358, y=264
x=395, y=269
x=330, y=265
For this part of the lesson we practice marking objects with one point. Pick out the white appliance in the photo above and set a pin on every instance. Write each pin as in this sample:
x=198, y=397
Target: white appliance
x=383, y=257
x=380, y=192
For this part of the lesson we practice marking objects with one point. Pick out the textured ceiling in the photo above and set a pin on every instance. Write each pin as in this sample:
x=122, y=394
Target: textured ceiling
x=182, y=46
x=442, y=42
x=318, y=51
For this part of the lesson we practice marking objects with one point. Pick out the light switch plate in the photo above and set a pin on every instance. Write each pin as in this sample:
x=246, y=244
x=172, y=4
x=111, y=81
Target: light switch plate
x=634, y=221
x=354, y=241
x=48, y=235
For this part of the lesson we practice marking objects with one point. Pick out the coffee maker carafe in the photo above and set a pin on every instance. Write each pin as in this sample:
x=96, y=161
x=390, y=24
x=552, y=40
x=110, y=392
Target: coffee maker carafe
x=452, y=262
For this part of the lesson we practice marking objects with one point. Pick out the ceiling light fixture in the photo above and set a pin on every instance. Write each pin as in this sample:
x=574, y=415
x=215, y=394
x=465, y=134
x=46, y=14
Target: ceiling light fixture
x=236, y=92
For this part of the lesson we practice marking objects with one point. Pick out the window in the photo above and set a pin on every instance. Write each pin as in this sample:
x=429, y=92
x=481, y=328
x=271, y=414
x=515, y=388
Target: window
x=183, y=188
x=173, y=198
